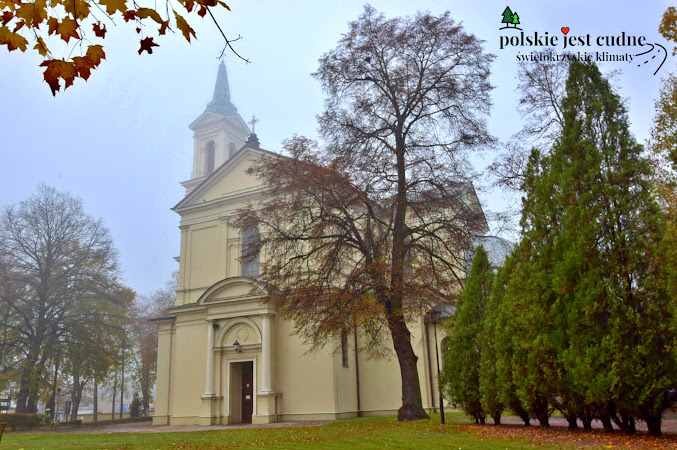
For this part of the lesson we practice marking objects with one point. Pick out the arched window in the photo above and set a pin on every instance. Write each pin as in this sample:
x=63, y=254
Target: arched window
x=210, y=149
x=250, y=252
x=231, y=150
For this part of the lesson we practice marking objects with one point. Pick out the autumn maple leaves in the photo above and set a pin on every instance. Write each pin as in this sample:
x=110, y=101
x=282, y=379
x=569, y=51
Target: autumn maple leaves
x=78, y=67
x=66, y=19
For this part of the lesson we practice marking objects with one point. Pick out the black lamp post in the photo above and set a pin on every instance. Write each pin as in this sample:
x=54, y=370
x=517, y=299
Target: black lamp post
x=435, y=319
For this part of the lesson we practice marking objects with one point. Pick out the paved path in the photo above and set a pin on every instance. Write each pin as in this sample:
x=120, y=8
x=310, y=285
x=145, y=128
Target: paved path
x=146, y=427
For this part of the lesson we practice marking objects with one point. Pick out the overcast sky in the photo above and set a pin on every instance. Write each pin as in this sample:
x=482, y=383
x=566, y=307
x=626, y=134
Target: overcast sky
x=121, y=141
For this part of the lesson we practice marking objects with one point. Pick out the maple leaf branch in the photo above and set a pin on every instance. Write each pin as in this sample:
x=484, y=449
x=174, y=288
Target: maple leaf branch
x=48, y=54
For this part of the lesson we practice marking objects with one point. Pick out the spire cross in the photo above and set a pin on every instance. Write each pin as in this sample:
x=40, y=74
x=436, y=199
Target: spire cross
x=253, y=123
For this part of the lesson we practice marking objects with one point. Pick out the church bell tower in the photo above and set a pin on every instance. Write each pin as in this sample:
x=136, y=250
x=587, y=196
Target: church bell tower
x=218, y=133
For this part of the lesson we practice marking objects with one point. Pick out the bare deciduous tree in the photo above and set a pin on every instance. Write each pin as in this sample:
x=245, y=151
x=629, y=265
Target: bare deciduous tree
x=64, y=262
x=369, y=230
x=145, y=337
x=541, y=89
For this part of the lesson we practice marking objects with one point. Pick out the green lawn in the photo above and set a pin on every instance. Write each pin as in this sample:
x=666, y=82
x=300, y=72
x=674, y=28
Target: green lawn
x=378, y=432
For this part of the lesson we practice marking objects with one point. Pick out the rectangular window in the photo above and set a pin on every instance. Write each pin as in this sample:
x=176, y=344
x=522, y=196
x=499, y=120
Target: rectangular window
x=250, y=252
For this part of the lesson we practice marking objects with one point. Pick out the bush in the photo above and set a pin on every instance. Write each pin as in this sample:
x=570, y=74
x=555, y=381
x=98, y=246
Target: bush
x=117, y=421
x=45, y=420
x=22, y=421
x=71, y=423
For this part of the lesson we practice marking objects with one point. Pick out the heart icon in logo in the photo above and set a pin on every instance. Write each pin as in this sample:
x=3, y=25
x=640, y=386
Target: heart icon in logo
x=565, y=30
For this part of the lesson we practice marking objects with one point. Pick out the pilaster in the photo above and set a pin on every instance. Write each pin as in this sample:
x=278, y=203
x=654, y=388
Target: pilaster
x=266, y=408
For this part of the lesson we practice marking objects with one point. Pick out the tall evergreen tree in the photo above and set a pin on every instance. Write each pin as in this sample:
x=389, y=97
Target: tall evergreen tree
x=496, y=363
x=590, y=284
x=489, y=370
x=461, y=382
x=529, y=298
x=612, y=275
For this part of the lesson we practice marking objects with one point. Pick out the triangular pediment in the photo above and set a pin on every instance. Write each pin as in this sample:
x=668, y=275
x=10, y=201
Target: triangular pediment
x=211, y=121
x=228, y=180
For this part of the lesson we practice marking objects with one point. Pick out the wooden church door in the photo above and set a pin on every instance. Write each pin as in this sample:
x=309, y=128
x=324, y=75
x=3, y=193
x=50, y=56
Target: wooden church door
x=247, y=391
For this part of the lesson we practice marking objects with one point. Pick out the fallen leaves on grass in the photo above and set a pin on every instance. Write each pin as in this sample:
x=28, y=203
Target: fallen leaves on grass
x=578, y=438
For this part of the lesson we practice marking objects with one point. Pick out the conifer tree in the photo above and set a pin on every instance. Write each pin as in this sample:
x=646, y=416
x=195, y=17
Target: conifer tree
x=529, y=299
x=589, y=291
x=461, y=382
x=489, y=368
x=612, y=275
x=496, y=369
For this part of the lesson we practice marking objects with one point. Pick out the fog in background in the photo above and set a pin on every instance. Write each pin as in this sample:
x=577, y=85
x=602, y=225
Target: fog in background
x=121, y=140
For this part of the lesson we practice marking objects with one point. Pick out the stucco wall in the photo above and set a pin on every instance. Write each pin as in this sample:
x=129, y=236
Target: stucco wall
x=310, y=385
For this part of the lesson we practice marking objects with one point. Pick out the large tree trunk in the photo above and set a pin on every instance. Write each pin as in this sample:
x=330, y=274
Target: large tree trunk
x=52, y=400
x=29, y=387
x=26, y=403
x=76, y=397
x=32, y=405
x=22, y=398
x=412, y=404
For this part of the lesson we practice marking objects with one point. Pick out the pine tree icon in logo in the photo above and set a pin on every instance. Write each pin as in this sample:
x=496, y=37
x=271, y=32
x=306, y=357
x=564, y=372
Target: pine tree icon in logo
x=510, y=18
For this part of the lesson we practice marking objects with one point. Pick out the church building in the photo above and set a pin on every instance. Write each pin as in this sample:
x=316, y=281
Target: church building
x=224, y=356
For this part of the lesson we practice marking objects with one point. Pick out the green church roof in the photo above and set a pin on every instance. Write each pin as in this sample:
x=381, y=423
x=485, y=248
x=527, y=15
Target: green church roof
x=221, y=103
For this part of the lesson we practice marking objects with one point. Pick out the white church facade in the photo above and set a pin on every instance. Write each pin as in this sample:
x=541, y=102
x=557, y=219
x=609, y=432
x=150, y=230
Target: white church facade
x=224, y=356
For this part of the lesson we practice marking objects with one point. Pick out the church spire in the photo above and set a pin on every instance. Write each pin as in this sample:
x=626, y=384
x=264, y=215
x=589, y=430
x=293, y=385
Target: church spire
x=221, y=103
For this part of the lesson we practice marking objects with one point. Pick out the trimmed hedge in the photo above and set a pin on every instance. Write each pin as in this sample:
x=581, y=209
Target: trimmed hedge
x=71, y=423
x=17, y=422
x=117, y=421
